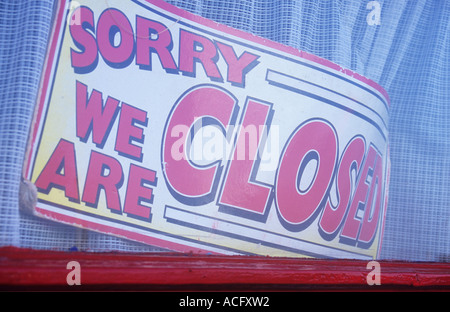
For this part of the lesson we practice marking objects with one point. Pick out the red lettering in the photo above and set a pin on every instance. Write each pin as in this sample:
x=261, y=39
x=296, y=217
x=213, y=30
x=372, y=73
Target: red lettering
x=315, y=140
x=161, y=44
x=138, y=192
x=104, y=173
x=373, y=207
x=353, y=222
x=237, y=67
x=195, y=48
x=187, y=182
x=118, y=44
x=112, y=22
x=60, y=172
x=92, y=116
x=240, y=189
x=82, y=33
x=128, y=132
x=351, y=160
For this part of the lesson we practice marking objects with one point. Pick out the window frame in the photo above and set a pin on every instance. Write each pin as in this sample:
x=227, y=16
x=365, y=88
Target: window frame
x=28, y=269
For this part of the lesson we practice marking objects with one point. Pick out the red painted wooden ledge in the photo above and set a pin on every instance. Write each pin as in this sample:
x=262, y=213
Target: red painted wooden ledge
x=26, y=269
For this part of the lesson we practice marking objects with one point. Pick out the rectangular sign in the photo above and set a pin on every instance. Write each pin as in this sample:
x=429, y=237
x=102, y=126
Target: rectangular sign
x=163, y=127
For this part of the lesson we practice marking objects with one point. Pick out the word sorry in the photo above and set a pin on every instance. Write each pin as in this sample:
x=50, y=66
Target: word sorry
x=114, y=38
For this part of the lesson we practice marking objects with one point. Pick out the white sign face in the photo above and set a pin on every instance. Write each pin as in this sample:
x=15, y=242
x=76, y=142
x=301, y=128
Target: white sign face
x=166, y=128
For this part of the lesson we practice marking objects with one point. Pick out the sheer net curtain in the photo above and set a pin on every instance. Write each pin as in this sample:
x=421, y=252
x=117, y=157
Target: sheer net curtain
x=408, y=54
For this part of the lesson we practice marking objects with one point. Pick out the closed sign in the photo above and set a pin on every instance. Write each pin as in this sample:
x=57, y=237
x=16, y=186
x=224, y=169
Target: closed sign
x=166, y=128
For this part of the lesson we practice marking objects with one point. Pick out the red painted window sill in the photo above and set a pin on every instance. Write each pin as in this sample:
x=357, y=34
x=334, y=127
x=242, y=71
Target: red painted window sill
x=25, y=269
